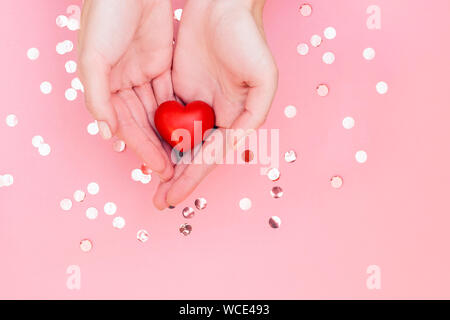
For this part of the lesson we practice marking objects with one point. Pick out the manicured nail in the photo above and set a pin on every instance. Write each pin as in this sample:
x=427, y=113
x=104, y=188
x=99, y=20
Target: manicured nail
x=105, y=132
x=171, y=207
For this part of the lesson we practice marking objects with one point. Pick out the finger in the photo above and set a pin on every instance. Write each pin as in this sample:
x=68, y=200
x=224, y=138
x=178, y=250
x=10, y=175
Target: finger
x=163, y=88
x=159, y=199
x=94, y=74
x=137, y=140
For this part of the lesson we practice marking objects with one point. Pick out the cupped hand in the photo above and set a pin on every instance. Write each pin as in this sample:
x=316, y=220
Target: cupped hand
x=222, y=58
x=125, y=59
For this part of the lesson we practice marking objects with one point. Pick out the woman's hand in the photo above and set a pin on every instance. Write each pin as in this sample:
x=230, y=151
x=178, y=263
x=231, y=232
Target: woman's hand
x=125, y=58
x=222, y=58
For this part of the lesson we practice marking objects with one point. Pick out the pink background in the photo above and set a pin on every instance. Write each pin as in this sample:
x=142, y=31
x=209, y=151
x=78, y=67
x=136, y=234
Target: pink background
x=393, y=211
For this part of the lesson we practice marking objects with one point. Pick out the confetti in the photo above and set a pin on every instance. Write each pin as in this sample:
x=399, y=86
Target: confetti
x=33, y=53
x=136, y=175
x=142, y=235
x=71, y=94
x=66, y=204
x=91, y=213
x=276, y=192
x=110, y=208
x=305, y=9
x=93, y=188
x=382, y=87
x=200, y=203
x=329, y=33
x=86, y=245
x=188, y=212
x=79, y=195
x=302, y=49
x=275, y=222
x=177, y=14
x=336, y=182
x=328, y=57
x=119, y=146
x=12, y=120
x=290, y=111
x=290, y=156
x=361, y=156
x=369, y=53
x=245, y=204
x=118, y=222
x=322, y=90
x=44, y=149
x=36, y=141
x=73, y=24
x=273, y=174
x=71, y=66
x=61, y=21
x=247, y=156
x=46, y=87
x=7, y=180
x=146, y=178
x=348, y=123
x=185, y=229
x=92, y=128
x=316, y=40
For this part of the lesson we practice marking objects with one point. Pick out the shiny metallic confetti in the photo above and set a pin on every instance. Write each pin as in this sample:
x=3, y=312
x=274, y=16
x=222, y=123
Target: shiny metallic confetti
x=328, y=57
x=316, y=40
x=290, y=156
x=46, y=87
x=200, y=203
x=91, y=213
x=119, y=146
x=33, y=53
x=118, y=222
x=177, y=14
x=71, y=66
x=71, y=94
x=79, y=195
x=273, y=174
x=247, y=156
x=276, y=192
x=93, y=188
x=329, y=33
x=86, y=245
x=7, y=180
x=44, y=149
x=336, y=182
x=142, y=235
x=382, y=87
x=36, y=141
x=290, y=111
x=110, y=208
x=245, y=204
x=322, y=90
x=66, y=204
x=146, y=178
x=11, y=120
x=361, y=156
x=185, y=229
x=305, y=9
x=61, y=21
x=188, y=213
x=275, y=222
x=302, y=49
x=348, y=123
x=92, y=128
x=136, y=175
x=369, y=53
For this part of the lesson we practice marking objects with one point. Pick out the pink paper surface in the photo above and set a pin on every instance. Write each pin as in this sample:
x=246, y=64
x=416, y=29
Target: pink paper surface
x=393, y=211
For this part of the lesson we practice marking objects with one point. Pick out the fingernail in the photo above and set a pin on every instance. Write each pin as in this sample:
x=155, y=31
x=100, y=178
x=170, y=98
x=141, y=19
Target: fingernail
x=105, y=131
x=171, y=207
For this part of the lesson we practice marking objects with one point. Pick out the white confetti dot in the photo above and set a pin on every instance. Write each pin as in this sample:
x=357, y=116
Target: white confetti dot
x=322, y=90
x=46, y=87
x=60, y=48
x=177, y=14
x=361, y=156
x=110, y=208
x=290, y=156
x=92, y=128
x=61, y=21
x=71, y=94
x=76, y=84
x=119, y=146
x=146, y=178
x=245, y=204
x=33, y=53
x=12, y=120
x=67, y=46
x=66, y=204
x=93, y=188
x=137, y=174
x=275, y=222
x=273, y=174
x=336, y=182
x=329, y=33
x=118, y=223
x=79, y=195
x=316, y=40
x=328, y=57
x=348, y=123
x=302, y=49
x=36, y=141
x=91, y=213
x=86, y=245
x=142, y=235
x=71, y=66
x=7, y=180
x=44, y=149
x=369, y=53
x=382, y=87
x=290, y=111
x=305, y=10
x=73, y=24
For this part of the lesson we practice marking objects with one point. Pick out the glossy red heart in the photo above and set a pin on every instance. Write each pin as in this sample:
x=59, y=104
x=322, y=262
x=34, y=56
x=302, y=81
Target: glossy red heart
x=172, y=115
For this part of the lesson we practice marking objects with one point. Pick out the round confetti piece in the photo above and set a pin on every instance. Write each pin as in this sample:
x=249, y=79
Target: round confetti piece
x=44, y=149
x=73, y=24
x=137, y=175
x=245, y=204
x=71, y=94
x=118, y=222
x=275, y=222
x=305, y=9
x=302, y=49
x=46, y=87
x=145, y=169
x=177, y=14
x=290, y=156
x=12, y=120
x=188, y=213
x=290, y=111
x=273, y=174
x=7, y=180
x=348, y=123
x=93, y=188
x=382, y=87
x=336, y=182
x=86, y=245
x=79, y=195
x=36, y=141
x=316, y=40
x=369, y=53
x=185, y=229
x=142, y=235
x=200, y=203
x=76, y=84
x=91, y=213
x=110, y=208
x=119, y=146
x=71, y=66
x=276, y=192
x=67, y=45
x=322, y=90
x=33, y=53
x=92, y=128
x=361, y=156
x=66, y=204
x=328, y=57
x=329, y=33
x=61, y=21
x=146, y=178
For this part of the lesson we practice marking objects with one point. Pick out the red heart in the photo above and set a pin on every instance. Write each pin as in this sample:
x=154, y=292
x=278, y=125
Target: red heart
x=171, y=115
